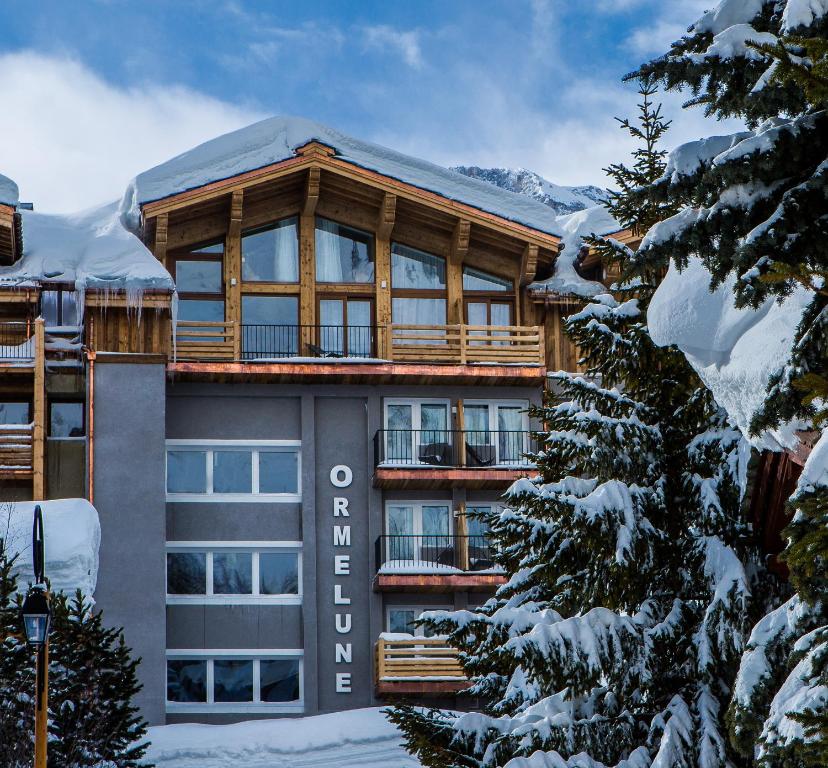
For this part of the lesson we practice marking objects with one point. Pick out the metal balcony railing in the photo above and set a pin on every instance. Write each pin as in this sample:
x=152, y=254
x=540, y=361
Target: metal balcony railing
x=433, y=552
x=329, y=341
x=453, y=448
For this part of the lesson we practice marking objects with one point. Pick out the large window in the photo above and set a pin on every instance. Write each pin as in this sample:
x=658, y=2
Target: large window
x=417, y=432
x=495, y=432
x=346, y=327
x=198, y=275
x=418, y=283
x=266, y=573
x=234, y=681
x=270, y=326
x=419, y=533
x=343, y=254
x=487, y=300
x=66, y=419
x=402, y=619
x=271, y=254
x=60, y=307
x=264, y=470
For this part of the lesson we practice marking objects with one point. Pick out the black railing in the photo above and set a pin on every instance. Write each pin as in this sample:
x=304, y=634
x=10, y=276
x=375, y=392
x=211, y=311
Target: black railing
x=438, y=552
x=334, y=341
x=16, y=341
x=453, y=448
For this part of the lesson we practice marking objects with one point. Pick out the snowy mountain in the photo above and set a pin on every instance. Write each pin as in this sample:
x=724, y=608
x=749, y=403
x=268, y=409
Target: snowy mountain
x=561, y=199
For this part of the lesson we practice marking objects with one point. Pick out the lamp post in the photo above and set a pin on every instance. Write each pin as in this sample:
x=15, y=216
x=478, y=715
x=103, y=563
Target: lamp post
x=37, y=616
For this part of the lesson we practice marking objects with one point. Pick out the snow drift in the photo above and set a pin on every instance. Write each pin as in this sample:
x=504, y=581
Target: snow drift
x=72, y=535
x=9, y=194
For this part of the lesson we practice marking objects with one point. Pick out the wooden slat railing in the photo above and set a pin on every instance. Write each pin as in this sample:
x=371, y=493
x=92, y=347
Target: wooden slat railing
x=453, y=344
x=421, y=658
x=16, y=448
x=203, y=340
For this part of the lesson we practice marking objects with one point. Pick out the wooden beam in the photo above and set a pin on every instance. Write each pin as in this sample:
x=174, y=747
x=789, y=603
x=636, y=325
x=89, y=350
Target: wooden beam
x=528, y=264
x=307, y=280
x=458, y=250
x=387, y=215
x=161, y=231
x=39, y=415
x=312, y=190
x=385, y=224
x=233, y=267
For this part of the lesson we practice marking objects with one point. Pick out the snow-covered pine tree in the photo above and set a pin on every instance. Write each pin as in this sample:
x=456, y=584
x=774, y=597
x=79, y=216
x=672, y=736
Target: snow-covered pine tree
x=755, y=204
x=617, y=637
x=92, y=720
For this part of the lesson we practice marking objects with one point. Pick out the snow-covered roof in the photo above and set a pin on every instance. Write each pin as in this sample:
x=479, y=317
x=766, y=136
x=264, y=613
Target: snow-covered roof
x=574, y=227
x=276, y=139
x=734, y=351
x=89, y=249
x=9, y=194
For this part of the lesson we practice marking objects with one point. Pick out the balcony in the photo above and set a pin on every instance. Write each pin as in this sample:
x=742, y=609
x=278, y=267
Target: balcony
x=17, y=344
x=16, y=450
x=417, y=665
x=435, y=563
x=434, y=458
x=507, y=354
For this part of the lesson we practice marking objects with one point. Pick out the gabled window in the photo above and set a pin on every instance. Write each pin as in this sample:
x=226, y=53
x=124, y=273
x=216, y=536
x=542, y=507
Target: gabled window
x=418, y=287
x=343, y=254
x=271, y=254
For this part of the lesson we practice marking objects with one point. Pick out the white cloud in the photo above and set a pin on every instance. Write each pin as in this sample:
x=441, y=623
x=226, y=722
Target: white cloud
x=71, y=140
x=406, y=43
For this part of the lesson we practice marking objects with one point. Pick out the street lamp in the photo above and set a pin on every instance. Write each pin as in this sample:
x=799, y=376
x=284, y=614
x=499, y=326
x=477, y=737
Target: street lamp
x=37, y=616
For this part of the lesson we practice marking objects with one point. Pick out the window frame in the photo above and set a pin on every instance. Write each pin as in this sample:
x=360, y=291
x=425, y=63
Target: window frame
x=63, y=401
x=256, y=655
x=60, y=290
x=188, y=253
x=418, y=505
x=493, y=405
x=371, y=241
x=345, y=299
x=272, y=225
x=256, y=447
x=28, y=403
x=422, y=609
x=416, y=293
x=255, y=549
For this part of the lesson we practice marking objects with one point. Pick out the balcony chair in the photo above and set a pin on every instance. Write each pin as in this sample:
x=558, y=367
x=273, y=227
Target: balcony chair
x=435, y=453
x=480, y=455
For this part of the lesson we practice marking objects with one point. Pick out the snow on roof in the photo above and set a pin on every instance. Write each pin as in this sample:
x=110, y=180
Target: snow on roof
x=734, y=351
x=574, y=227
x=90, y=249
x=71, y=534
x=275, y=139
x=9, y=194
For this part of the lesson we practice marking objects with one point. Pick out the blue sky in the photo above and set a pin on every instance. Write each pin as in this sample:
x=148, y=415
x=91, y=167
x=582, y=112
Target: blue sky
x=102, y=90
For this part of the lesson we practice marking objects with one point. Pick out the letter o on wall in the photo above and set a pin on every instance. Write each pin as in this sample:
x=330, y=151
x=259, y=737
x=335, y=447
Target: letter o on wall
x=341, y=476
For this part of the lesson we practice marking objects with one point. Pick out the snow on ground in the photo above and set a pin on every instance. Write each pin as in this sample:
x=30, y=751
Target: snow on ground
x=72, y=536
x=734, y=351
x=574, y=227
x=9, y=194
x=90, y=249
x=360, y=738
x=275, y=139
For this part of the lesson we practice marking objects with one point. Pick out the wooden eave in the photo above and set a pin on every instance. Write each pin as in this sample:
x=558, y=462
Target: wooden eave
x=438, y=583
x=9, y=235
x=315, y=155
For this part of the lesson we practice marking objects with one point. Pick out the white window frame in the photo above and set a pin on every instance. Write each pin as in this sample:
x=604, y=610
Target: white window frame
x=255, y=549
x=416, y=404
x=256, y=655
x=256, y=447
x=493, y=405
x=418, y=513
x=421, y=608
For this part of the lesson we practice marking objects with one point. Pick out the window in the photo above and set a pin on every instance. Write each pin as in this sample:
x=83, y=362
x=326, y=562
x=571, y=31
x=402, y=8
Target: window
x=485, y=303
x=402, y=620
x=417, y=432
x=234, y=573
x=66, y=419
x=234, y=681
x=343, y=254
x=477, y=530
x=199, y=280
x=419, y=533
x=345, y=327
x=477, y=280
x=229, y=470
x=12, y=412
x=270, y=326
x=271, y=254
x=418, y=282
x=60, y=307
x=495, y=432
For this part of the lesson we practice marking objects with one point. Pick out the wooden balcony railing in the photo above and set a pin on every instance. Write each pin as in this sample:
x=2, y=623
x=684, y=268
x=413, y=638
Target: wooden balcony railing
x=16, y=449
x=17, y=342
x=431, y=344
x=417, y=665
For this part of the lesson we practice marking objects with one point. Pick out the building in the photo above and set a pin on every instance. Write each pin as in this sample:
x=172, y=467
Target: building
x=284, y=452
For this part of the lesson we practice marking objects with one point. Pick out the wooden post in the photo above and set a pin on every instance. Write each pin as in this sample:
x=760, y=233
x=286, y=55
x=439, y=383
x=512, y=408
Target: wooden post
x=463, y=337
x=232, y=262
x=463, y=538
x=39, y=430
x=42, y=705
x=161, y=225
x=454, y=271
x=385, y=226
x=461, y=433
x=307, y=260
x=541, y=345
x=380, y=659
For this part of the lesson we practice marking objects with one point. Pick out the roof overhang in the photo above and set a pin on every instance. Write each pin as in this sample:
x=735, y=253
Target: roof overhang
x=10, y=239
x=318, y=155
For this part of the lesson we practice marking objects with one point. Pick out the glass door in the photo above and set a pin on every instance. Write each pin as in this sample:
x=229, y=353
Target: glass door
x=480, y=451
x=433, y=441
x=420, y=534
x=345, y=328
x=511, y=435
x=399, y=433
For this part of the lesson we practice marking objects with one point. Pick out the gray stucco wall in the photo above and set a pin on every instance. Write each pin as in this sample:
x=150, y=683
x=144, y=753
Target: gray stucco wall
x=129, y=497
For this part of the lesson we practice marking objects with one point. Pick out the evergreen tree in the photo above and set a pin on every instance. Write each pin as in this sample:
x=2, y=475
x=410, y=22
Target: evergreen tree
x=629, y=596
x=92, y=680
x=755, y=204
